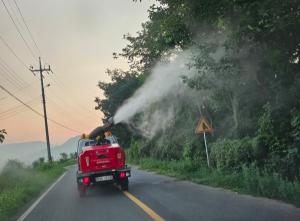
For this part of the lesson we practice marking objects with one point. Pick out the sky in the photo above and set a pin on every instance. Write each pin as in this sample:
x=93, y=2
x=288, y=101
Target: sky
x=77, y=38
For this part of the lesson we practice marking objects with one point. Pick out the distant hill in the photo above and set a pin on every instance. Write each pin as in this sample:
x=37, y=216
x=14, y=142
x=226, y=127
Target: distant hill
x=68, y=147
x=30, y=151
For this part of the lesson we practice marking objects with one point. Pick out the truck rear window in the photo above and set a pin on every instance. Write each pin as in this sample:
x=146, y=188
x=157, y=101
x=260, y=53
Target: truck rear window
x=84, y=143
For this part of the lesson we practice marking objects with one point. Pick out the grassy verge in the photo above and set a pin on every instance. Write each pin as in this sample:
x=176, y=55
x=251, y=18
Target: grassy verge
x=20, y=184
x=248, y=180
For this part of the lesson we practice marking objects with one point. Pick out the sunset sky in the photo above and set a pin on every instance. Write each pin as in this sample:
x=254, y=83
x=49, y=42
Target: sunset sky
x=77, y=38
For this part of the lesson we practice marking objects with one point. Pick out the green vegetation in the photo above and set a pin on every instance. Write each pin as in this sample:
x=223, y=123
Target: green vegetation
x=20, y=184
x=246, y=54
x=247, y=180
x=2, y=135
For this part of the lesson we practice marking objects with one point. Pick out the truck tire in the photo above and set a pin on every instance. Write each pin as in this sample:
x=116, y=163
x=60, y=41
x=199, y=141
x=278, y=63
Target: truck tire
x=124, y=184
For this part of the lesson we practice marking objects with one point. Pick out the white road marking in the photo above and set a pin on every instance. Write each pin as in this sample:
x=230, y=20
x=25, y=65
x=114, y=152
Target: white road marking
x=29, y=210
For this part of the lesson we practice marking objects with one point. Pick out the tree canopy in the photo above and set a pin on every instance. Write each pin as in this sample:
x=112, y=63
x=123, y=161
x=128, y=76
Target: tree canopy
x=247, y=57
x=2, y=135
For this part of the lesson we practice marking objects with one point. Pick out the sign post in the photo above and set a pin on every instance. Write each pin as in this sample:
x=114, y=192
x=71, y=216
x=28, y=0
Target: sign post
x=204, y=127
x=207, y=157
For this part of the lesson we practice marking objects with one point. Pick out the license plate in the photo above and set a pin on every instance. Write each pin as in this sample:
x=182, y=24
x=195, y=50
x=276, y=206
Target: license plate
x=103, y=178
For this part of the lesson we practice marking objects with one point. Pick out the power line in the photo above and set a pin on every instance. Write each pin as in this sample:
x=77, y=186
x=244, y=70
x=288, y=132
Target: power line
x=20, y=90
x=64, y=111
x=14, y=13
x=16, y=107
x=13, y=114
x=69, y=105
x=7, y=78
x=66, y=127
x=12, y=51
x=27, y=27
x=18, y=78
x=61, y=85
x=12, y=73
x=13, y=78
x=22, y=102
x=18, y=30
x=16, y=110
x=35, y=111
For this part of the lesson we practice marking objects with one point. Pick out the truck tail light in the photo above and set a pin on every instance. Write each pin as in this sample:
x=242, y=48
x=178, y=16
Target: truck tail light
x=122, y=175
x=86, y=180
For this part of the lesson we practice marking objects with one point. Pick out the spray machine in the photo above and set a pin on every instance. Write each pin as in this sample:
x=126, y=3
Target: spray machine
x=99, y=131
x=101, y=160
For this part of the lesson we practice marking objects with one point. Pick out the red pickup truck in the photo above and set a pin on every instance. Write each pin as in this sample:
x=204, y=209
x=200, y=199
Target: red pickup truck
x=101, y=160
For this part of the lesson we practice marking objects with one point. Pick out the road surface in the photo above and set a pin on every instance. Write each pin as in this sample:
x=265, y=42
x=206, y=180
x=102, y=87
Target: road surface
x=163, y=197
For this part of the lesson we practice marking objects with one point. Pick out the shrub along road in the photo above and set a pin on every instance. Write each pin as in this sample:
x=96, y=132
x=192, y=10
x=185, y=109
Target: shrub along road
x=162, y=197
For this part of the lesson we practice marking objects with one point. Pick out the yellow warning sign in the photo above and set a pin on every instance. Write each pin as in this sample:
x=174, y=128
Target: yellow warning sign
x=203, y=126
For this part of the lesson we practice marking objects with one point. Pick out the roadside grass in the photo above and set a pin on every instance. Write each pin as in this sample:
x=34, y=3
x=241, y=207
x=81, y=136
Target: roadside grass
x=248, y=180
x=20, y=184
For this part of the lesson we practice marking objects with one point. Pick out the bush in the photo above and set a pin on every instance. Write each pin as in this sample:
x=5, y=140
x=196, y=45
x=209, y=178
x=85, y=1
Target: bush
x=231, y=154
x=133, y=153
x=187, y=151
x=73, y=155
x=63, y=157
x=38, y=162
x=19, y=184
x=13, y=165
x=270, y=185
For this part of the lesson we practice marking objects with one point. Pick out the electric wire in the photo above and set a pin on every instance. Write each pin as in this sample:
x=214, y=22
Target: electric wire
x=71, y=106
x=8, y=78
x=64, y=111
x=17, y=109
x=18, y=30
x=13, y=75
x=16, y=113
x=14, y=13
x=35, y=111
x=21, y=90
x=61, y=85
x=27, y=27
x=33, y=54
x=13, y=52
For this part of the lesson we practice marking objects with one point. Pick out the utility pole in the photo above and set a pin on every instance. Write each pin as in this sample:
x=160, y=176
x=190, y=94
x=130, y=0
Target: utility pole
x=40, y=71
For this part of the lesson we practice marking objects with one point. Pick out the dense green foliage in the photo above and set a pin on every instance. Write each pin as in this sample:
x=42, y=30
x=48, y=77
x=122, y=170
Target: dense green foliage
x=19, y=184
x=253, y=98
x=121, y=87
x=249, y=180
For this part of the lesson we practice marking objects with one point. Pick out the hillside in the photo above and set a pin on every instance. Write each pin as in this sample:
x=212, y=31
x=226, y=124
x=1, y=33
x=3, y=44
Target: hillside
x=30, y=151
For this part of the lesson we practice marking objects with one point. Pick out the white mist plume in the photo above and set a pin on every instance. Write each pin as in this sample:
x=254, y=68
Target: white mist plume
x=165, y=80
x=163, y=93
x=153, y=121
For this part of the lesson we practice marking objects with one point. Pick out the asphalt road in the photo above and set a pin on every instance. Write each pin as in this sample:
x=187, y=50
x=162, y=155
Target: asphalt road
x=170, y=199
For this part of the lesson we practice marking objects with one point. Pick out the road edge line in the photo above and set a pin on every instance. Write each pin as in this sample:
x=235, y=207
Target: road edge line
x=31, y=208
x=143, y=206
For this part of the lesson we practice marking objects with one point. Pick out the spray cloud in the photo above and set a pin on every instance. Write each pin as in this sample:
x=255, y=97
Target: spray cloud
x=165, y=81
x=159, y=99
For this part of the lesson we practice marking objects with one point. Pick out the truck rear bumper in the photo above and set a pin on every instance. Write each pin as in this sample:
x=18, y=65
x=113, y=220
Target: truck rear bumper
x=114, y=176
